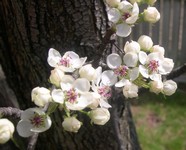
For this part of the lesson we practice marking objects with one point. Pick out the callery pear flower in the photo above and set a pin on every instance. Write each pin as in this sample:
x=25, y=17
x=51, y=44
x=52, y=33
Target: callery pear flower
x=68, y=62
x=130, y=90
x=169, y=87
x=41, y=96
x=56, y=76
x=6, y=130
x=132, y=46
x=151, y=15
x=33, y=120
x=145, y=42
x=156, y=86
x=87, y=72
x=71, y=124
x=99, y=116
x=124, y=16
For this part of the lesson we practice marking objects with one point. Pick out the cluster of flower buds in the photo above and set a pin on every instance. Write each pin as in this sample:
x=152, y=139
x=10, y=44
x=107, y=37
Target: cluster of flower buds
x=123, y=15
x=142, y=64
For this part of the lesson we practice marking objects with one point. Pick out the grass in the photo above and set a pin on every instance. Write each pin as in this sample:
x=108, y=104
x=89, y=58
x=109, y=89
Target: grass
x=160, y=122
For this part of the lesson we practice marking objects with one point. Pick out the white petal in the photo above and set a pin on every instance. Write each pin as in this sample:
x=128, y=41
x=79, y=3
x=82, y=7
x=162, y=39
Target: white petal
x=130, y=59
x=98, y=75
x=114, y=15
x=53, y=57
x=122, y=83
x=124, y=6
x=155, y=77
x=82, y=85
x=134, y=14
x=77, y=63
x=58, y=96
x=143, y=71
x=66, y=69
x=113, y=61
x=166, y=66
x=123, y=30
x=142, y=57
x=104, y=104
x=134, y=73
x=108, y=78
x=71, y=55
x=23, y=128
x=28, y=113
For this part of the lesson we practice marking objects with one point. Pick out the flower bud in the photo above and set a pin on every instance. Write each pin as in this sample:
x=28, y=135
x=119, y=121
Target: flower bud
x=156, y=86
x=157, y=48
x=145, y=42
x=100, y=116
x=41, y=96
x=87, y=72
x=113, y=3
x=130, y=91
x=6, y=130
x=151, y=15
x=71, y=124
x=169, y=87
x=56, y=76
x=132, y=47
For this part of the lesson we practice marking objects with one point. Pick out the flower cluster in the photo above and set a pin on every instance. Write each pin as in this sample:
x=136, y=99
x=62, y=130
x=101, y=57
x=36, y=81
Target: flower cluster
x=123, y=15
x=142, y=64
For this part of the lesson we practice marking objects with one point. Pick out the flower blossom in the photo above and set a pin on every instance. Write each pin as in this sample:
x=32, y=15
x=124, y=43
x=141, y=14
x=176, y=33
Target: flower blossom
x=124, y=16
x=33, y=120
x=67, y=63
x=151, y=15
x=6, y=130
x=169, y=87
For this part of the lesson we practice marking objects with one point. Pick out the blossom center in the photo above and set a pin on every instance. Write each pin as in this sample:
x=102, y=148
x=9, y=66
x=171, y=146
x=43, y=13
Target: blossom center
x=126, y=15
x=121, y=71
x=153, y=65
x=71, y=95
x=65, y=61
x=38, y=120
x=105, y=91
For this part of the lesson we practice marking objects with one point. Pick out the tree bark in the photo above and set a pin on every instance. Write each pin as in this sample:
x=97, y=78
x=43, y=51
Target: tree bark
x=28, y=29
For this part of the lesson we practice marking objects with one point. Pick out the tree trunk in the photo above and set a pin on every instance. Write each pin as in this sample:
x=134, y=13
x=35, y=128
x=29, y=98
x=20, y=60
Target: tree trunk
x=28, y=29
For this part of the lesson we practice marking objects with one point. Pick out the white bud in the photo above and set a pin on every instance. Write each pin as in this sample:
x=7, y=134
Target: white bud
x=145, y=42
x=87, y=72
x=100, y=116
x=41, y=96
x=56, y=76
x=132, y=47
x=71, y=124
x=151, y=15
x=130, y=91
x=169, y=87
x=6, y=130
x=113, y=3
x=157, y=48
x=156, y=86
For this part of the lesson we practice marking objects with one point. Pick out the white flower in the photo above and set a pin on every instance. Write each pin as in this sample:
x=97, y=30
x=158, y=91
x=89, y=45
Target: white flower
x=56, y=76
x=99, y=116
x=145, y=42
x=154, y=65
x=157, y=48
x=33, y=120
x=6, y=130
x=169, y=87
x=133, y=46
x=41, y=96
x=71, y=124
x=151, y=15
x=130, y=90
x=68, y=62
x=124, y=16
x=156, y=86
x=87, y=72
x=113, y=3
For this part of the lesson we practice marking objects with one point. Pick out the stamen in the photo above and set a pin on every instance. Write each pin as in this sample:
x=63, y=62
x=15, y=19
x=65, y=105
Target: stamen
x=121, y=71
x=65, y=61
x=38, y=120
x=71, y=96
x=153, y=66
x=126, y=15
x=105, y=92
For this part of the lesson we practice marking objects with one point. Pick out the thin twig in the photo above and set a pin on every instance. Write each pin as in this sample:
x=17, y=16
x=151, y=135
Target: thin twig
x=10, y=112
